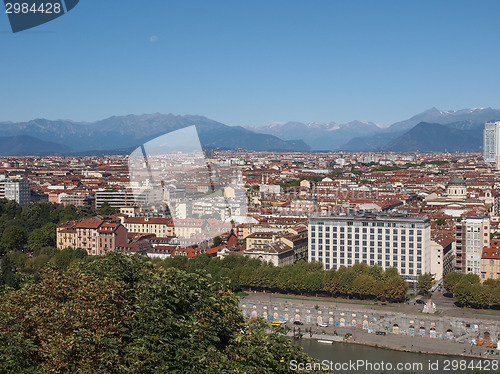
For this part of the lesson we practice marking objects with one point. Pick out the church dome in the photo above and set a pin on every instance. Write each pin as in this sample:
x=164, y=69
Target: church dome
x=457, y=182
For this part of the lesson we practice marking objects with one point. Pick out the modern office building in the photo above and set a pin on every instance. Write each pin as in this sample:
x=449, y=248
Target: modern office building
x=114, y=198
x=383, y=240
x=471, y=236
x=15, y=189
x=491, y=141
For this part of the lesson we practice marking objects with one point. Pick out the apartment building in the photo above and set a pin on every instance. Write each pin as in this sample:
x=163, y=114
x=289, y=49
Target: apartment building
x=114, y=198
x=161, y=227
x=260, y=240
x=472, y=235
x=15, y=189
x=383, y=240
x=76, y=199
x=99, y=237
x=110, y=236
x=66, y=235
x=490, y=261
x=277, y=253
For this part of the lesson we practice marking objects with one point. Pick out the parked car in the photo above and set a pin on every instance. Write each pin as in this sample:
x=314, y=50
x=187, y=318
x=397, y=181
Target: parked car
x=298, y=323
x=380, y=333
x=420, y=301
x=324, y=324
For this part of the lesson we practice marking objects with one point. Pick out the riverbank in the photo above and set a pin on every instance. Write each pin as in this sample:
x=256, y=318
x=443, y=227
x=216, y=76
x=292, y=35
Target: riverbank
x=402, y=343
x=374, y=360
x=399, y=327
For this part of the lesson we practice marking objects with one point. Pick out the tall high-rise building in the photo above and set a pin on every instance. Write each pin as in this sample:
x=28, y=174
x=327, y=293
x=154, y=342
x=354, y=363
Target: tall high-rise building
x=471, y=236
x=383, y=240
x=491, y=141
x=15, y=189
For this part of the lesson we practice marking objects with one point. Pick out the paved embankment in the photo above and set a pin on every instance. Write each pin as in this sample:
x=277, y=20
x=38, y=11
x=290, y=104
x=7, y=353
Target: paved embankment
x=405, y=326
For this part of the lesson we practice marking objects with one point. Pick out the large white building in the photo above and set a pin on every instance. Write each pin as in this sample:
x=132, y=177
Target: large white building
x=471, y=236
x=383, y=240
x=15, y=189
x=491, y=141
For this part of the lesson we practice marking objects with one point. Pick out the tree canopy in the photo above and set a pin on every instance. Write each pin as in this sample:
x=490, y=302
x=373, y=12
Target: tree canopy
x=124, y=314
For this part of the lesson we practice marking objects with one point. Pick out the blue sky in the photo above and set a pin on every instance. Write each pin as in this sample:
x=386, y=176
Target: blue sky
x=254, y=62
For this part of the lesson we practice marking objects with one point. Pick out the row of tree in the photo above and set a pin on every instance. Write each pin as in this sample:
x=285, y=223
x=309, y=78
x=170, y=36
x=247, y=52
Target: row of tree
x=361, y=280
x=469, y=291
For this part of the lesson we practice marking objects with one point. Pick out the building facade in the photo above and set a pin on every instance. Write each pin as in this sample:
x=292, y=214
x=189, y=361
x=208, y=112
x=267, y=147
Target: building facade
x=116, y=199
x=490, y=261
x=277, y=253
x=471, y=236
x=491, y=141
x=66, y=235
x=99, y=237
x=161, y=227
x=383, y=240
x=15, y=189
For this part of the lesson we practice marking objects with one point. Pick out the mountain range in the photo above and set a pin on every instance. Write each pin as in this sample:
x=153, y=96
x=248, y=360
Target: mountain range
x=433, y=137
x=367, y=136
x=429, y=131
x=120, y=135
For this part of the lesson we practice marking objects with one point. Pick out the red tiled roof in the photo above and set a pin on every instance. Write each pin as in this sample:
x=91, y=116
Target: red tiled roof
x=491, y=253
x=89, y=223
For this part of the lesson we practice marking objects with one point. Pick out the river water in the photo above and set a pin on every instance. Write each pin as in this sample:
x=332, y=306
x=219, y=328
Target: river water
x=358, y=359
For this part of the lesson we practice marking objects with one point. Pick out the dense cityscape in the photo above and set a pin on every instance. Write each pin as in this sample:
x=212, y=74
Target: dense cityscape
x=233, y=187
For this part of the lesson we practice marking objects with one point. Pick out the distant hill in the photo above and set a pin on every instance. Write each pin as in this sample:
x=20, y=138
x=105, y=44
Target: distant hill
x=127, y=132
x=119, y=134
x=370, y=143
x=433, y=137
x=218, y=136
x=464, y=119
x=20, y=145
x=360, y=136
x=320, y=136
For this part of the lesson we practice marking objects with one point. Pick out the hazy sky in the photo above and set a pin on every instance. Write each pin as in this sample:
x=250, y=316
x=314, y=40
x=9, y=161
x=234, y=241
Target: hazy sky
x=254, y=62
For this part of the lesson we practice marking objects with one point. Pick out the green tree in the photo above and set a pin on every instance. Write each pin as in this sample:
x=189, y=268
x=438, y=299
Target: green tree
x=465, y=287
x=346, y=282
x=107, y=210
x=462, y=292
x=121, y=313
x=395, y=288
x=217, y=241
x=331, y=282
x=440, y=222
x=364, y=285
x=451, y=280
x=480, y=296
x=13, y=237
x=391, y=272
x=62, y=259
x=43, y=237
x=424, y=282
x=313, y=282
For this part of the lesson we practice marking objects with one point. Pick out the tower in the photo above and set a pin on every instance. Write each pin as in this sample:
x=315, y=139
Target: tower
x=491, y=141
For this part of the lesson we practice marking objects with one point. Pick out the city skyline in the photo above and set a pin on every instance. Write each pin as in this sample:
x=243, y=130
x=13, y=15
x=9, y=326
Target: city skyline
x=227, y=186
